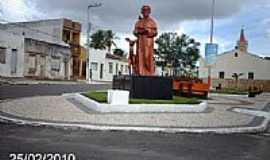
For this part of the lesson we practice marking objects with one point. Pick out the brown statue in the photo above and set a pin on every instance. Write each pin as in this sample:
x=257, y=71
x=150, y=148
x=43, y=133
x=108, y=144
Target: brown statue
x=145, y=30
x=132, y=56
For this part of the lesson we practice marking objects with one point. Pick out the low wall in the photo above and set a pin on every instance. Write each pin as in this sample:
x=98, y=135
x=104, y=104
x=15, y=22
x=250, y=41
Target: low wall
x=138, y=108
x=243, y=84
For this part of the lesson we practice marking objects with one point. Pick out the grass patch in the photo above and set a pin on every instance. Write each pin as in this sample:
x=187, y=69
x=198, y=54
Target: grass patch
x=231, y=91
x=101, y=97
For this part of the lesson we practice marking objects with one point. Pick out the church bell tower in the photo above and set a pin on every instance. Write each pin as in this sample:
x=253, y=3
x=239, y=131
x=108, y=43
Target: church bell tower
x=242, y=44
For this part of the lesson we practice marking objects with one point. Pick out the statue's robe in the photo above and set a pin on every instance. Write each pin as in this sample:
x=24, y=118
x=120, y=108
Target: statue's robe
x=145, y=46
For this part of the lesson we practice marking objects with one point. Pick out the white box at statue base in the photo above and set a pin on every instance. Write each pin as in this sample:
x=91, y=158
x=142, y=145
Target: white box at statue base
x=118, y=97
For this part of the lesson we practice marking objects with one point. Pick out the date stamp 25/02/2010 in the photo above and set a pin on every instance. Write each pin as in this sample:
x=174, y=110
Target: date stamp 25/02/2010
x=40, y=156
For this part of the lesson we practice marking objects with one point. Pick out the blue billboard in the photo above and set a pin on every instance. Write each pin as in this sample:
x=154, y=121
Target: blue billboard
x=211, y=51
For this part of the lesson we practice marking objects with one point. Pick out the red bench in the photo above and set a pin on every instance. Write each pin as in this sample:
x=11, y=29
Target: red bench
x=190, y=88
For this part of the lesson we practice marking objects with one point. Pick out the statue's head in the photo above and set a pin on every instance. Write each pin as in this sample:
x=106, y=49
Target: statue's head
x=146, y=11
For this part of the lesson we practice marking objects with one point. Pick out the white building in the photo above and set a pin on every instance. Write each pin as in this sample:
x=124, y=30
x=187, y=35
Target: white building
x=251, y=67
x=49, y=30
x=11, y=54
x=36, y=49
x=103, y=66
x=45, y=60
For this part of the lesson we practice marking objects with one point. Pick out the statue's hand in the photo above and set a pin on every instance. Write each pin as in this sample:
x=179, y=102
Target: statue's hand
x=152, y=34
x=144, y=31
x=141, y=31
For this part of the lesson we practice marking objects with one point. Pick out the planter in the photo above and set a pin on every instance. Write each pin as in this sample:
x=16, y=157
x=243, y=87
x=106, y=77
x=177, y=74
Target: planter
x=138, y=108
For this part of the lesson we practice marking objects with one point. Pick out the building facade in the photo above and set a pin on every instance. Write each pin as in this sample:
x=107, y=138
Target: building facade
x=252, y=69
x=71, y=34
x=103, y=65
x=45, y=60
x=11, y=54
x=62, y=32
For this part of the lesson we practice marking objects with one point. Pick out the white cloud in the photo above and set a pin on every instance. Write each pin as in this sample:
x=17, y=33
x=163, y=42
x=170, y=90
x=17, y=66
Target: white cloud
x=200, y=30
x=268, y=32
x=13, y=10
x=187, y=16
x=18, y=10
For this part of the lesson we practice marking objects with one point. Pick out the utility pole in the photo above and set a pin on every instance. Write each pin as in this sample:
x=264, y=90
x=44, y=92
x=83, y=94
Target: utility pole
x=211, y=40
x=89, y=26
x=212, y=21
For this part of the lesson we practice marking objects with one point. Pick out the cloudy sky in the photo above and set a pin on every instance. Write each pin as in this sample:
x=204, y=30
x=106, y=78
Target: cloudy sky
x=182, y=16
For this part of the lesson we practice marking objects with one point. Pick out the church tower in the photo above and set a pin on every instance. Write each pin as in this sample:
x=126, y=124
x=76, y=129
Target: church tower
x=242, y=44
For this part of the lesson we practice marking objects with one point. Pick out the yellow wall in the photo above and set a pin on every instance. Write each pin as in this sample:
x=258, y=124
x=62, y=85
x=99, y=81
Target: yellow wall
x=83, y=54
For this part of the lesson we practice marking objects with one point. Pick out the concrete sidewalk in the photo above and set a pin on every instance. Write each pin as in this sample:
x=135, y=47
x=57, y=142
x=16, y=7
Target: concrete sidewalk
x=219, y=118
x=26, y=81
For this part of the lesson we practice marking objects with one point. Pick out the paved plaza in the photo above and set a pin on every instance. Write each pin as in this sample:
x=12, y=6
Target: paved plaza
x=58, y=109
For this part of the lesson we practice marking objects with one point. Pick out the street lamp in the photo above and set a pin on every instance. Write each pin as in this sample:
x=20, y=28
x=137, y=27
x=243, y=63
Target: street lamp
x=89, y=26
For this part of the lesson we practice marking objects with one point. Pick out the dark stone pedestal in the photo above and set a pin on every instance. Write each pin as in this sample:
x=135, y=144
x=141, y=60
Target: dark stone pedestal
x=145, y=87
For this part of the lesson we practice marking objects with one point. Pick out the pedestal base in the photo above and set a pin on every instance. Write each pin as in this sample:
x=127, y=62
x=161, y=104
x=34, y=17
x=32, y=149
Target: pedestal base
x=145, y=87
x=113, y=97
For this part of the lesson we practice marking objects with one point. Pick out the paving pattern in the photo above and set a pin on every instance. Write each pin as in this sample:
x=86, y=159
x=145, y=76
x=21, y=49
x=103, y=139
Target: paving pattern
x=57, y=108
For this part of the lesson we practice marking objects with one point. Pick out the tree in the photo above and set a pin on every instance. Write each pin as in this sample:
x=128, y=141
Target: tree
x=109, y=39
x=119, y=52
x=103, y=39
x=187, y=53
x=98, y=40
x=160, y=61
x=181, y=53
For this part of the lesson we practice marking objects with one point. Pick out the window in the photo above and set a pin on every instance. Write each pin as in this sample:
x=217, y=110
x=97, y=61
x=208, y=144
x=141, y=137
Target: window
x=122, y=68
x=55, y=65
x=13, y=60
x=101, y=71
x=221, y=75
x=32, y=64
x=126, y=69
x=110, y=67
x=3, y=52
x=66, y=36
x=250, y=75
x=94, y=66
x=116, y=68
x=235, y=54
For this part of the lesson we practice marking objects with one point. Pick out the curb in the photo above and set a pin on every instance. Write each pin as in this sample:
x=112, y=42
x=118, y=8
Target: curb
x=227, y=130
x=137, y=108
x=227, y=95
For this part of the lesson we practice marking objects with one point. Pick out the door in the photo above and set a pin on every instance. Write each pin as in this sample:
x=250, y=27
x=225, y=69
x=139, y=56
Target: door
x=13, y=61
x=101, y=71
x=66, y=69
x=42, y=67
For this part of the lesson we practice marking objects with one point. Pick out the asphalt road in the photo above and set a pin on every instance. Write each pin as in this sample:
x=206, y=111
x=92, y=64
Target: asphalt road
x=18, y=91
x=96, y=145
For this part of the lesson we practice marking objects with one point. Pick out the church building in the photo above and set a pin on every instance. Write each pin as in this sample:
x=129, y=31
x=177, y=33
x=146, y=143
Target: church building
x=251, y=68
